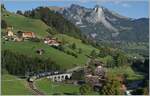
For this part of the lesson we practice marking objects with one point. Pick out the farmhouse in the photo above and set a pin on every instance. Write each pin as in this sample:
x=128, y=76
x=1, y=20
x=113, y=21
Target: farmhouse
x=51, y=42
x=9, y=31
x=28, y=35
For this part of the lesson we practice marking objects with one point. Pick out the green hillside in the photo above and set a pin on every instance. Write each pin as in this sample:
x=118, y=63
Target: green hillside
x=54, y=20
x=12, y=85
x=64, y=60
x=29, y=48
x=22, y=23
x=49, y=87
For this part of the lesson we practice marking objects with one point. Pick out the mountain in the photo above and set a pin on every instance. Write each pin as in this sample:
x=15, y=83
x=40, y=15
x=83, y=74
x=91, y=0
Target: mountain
x=55, y=20
x=64, y=57
x=102, y=24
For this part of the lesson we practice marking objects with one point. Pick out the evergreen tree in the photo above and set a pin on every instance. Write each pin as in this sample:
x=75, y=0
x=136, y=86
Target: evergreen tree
x=73, y=46
x=122, y=59
x=19, y=12
x=3, y=24
x=80, y=51
x=110, y=62
x=18, y=64
x=93, y=54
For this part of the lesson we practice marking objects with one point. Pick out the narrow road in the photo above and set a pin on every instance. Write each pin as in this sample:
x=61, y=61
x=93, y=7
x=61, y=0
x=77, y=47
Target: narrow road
x=74, y=69
x=78, y=67
x=34, y=89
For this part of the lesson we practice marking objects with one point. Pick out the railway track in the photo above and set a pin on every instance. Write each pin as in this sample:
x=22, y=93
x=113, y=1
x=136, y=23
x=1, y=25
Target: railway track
x=35, y=90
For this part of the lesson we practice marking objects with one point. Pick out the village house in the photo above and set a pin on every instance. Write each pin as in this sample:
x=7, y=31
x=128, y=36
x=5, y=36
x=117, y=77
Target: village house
x=52, y=41
x=17, y=39
x=9, y=31
x=99, y=74
x=95, y=74
x=28, y=35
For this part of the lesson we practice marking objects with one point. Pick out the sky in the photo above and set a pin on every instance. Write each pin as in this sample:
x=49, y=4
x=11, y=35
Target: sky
x=130, y=8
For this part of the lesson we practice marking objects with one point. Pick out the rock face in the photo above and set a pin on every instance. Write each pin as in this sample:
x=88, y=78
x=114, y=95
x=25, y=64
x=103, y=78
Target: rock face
x=98, y=16
x=106, y=24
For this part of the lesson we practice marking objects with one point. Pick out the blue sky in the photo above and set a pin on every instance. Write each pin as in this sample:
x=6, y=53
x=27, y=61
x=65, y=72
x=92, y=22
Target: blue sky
x=129, y=8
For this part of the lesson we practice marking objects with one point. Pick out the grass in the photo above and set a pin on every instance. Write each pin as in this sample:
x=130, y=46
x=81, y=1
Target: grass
x=131, y=74
x=25, y=24
x=85, y=48
x=64, y=60
x=49, y=87
x=12, y=85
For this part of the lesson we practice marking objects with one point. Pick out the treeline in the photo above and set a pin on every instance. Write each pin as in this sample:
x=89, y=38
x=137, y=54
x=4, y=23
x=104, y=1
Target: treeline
x=54, y=20
x=61, y=48
x=19, y=64
x=111, y=57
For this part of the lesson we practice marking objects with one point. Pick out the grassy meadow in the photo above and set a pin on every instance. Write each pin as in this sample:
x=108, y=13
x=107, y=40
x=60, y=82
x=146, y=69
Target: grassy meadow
x=11, y=85
x=49, y=87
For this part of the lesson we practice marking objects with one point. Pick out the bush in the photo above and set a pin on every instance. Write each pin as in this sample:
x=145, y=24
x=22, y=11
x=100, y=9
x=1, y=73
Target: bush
x=3, y=24
x=35, y=39
x=72, y=53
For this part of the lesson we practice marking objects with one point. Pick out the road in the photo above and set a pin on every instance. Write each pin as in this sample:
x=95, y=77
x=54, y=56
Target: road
x=78, y=67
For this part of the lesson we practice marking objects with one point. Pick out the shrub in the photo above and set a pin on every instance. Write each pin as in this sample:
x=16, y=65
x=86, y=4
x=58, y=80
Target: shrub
x=35, y=39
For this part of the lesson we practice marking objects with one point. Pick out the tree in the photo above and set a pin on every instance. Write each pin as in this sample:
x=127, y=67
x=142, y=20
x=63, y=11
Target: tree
x=120, y=59
x=78, y=75
x=61, y=48
x=104, y=51
x=111, y=87
x=51, y=31
x=54, y=20
x=19, y=12
x=3, y=24
x=123, y=58
x=80, y=51
x=85, y=89
x=2, y=7
x=93, y=54
x=19, y=64
x=110, y=62
x=73, y=46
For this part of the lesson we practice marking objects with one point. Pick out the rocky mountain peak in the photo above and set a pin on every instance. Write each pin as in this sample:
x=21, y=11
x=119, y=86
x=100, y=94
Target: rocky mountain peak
x=75, y=6
x=98, y=8
x=104, y=23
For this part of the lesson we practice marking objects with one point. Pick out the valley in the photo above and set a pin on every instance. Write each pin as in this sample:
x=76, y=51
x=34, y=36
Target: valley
x=38, y=46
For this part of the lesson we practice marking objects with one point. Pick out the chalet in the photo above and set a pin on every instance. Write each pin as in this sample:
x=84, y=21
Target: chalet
x=9, y=31
x=17, y=39
x=51, y=42
x=28, y=35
